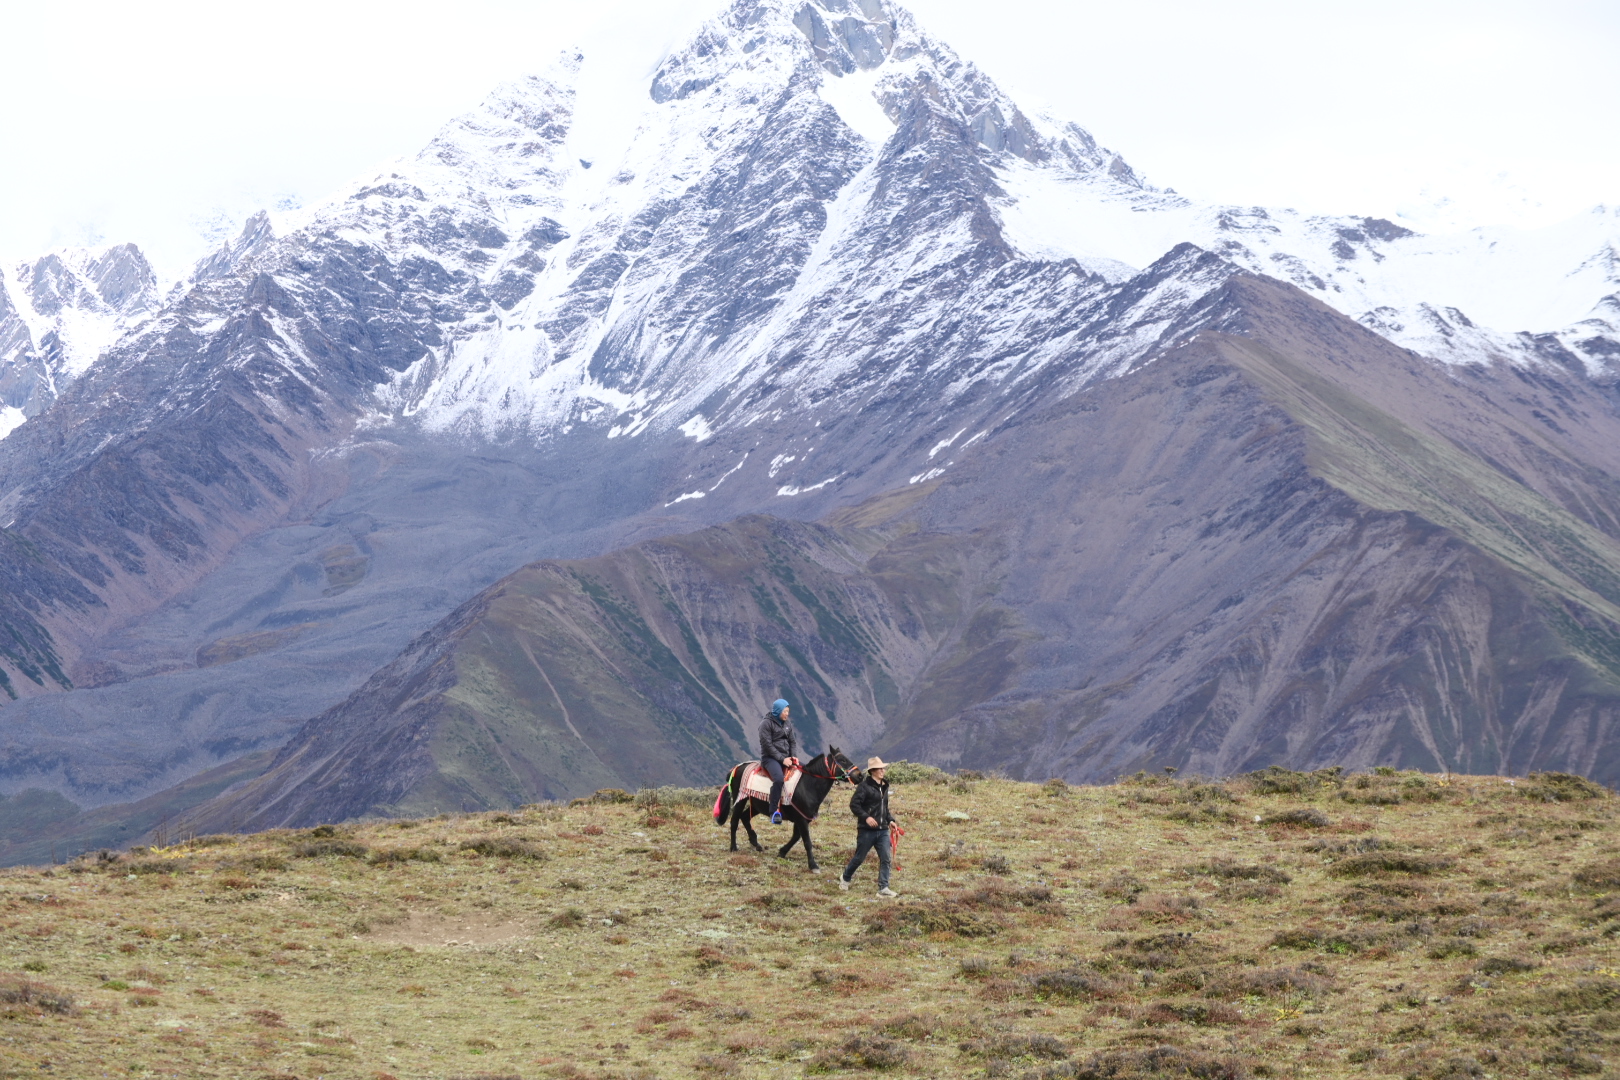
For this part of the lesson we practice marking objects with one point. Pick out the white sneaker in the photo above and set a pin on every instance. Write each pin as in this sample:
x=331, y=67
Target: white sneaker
x=843, y=883
x=887, y=893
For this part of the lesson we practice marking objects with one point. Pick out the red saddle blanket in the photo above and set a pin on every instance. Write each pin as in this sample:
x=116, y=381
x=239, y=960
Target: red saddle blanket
x=757, y=782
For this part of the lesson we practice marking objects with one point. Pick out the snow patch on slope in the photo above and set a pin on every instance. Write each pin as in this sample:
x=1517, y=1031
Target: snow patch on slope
x=854, y=96
x=11, y=418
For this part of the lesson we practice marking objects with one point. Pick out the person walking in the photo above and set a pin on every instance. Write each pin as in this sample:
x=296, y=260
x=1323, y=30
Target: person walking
x=870, y=805
x=778, y=747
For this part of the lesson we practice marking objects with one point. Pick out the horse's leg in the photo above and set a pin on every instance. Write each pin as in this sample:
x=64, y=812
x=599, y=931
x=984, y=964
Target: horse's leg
x=781, y=852
x=810, y=852
x=736, y=817
x=748, y=823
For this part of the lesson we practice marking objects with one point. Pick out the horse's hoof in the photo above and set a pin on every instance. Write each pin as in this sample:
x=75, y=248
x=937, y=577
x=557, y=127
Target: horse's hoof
x=815, y=869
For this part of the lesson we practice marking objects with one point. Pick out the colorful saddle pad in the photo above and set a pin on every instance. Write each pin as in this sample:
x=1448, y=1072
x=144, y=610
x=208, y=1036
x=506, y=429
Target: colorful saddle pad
x=757, y=782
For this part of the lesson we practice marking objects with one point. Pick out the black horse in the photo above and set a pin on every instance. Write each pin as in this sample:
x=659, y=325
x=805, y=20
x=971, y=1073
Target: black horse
x=820, y=774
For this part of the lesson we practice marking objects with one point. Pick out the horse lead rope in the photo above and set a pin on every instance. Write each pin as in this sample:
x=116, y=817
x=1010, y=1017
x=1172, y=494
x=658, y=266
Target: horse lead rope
x=895, y=833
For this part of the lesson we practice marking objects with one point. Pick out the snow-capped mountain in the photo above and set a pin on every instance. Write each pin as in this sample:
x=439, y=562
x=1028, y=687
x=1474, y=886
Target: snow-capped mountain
x=822, y=264
x=58, y=314
x=585, y=325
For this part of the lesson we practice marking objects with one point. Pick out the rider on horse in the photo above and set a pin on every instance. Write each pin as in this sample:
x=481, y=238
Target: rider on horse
x=777, y=749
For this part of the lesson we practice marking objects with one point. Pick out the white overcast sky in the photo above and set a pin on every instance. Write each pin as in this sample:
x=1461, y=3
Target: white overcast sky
x=164, y=121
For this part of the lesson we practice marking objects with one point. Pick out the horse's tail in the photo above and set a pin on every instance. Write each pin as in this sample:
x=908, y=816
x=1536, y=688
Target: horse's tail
x=722, y=801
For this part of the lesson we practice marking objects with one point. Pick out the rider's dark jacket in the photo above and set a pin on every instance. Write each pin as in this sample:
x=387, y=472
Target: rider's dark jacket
x=871, y=800
x=776, y=738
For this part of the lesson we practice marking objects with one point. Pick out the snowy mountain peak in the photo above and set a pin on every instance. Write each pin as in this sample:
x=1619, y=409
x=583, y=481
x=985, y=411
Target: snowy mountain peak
x=632, y=256
x=60, y=312
x=508, y=143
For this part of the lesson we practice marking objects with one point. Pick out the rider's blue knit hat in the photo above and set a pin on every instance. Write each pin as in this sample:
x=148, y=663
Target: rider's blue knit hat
x=778, y=705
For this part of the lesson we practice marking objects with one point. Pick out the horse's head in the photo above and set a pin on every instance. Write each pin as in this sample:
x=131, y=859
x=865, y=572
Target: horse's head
x=841, y=767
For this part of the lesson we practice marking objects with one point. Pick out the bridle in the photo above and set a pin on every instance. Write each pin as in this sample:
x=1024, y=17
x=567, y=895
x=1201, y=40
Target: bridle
x=835, y=772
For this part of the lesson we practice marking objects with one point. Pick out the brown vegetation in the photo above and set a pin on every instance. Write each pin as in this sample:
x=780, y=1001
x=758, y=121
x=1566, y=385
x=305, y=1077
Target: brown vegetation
x=1366, y=925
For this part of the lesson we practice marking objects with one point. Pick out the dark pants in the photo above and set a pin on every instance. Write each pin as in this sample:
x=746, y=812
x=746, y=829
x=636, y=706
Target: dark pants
x=865, y=840
x=774, y=767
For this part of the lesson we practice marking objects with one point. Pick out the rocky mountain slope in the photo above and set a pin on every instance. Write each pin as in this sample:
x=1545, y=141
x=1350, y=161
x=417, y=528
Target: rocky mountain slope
x=58, y=314
x=832, y=262
x=1283, y=538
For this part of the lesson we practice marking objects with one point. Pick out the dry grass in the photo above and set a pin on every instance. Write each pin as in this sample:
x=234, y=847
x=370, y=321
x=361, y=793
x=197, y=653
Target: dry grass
x=1279, y=925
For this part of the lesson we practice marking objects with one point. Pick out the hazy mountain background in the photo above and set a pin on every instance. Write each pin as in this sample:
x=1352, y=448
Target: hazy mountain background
x=843, y=376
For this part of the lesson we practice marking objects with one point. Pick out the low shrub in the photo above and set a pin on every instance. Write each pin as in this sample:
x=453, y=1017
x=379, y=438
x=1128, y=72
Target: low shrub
x=1222, y=868
x=861, y=1052
x=393, y=856
x=1200, y=1013
x=1073, y=985
x=1598, y=877
x=1000, y=896
x=1276, y=780
x=1359, y=846
x=919, y=1027
x=1307, y=979
x=505, y=847
x=1571, y=1060
x=1505, y=965
x=1451, y=947
x=931, y=917
x=317, y=849
x=1202, y=814
x=1561, y=787
x=1314, y=938
x=1161, y=951
x=260, y=862
x=1307, y=817
x=1585, y=996
x=777, y=900
x=914, y=772
x=35, y=996
x=1388, y=863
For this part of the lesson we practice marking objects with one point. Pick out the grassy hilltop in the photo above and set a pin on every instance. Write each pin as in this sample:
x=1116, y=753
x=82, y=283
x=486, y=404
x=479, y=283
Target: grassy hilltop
x=1280, y=924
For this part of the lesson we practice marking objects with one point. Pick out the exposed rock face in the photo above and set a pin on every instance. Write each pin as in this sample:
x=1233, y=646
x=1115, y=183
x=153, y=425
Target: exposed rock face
x=57, y=315
x=1282, y=540
x=833, y=262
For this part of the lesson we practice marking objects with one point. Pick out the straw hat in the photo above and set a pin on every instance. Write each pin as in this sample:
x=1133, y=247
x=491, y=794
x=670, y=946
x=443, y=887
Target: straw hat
x=875, y=763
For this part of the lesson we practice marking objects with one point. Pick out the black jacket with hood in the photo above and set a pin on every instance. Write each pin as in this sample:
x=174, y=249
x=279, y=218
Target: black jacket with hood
x=776, y=737
x=871, y=800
